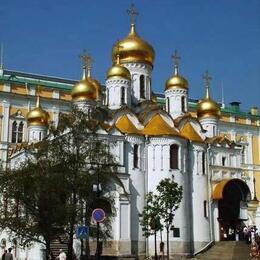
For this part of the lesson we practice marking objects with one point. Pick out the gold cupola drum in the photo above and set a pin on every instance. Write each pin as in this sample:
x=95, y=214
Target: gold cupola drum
x=37, y=120
x=176, y=91
x=207, y=107
x=37, y=116
x=208, y=111
x=133, y=47
x=84, y=90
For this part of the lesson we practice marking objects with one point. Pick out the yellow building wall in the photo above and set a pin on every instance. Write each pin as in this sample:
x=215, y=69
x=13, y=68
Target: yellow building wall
x=257, y=184
x=240, y=120
x=13, y=110
x=256, y=148
x=19, y=89
x=224, y=118
x=65, y=96
x=1, y=87
x=45, y=93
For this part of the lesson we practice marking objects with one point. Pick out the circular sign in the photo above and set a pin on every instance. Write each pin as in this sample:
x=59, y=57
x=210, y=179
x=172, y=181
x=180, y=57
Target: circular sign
x=98, y=215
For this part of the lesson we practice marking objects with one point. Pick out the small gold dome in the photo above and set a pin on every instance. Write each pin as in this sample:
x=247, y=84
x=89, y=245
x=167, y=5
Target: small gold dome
x=133, y=49
x=176, y=81
x=37, y=116
x=84, y=89
x=118, y=71
x=97, y=86
x=207, y=107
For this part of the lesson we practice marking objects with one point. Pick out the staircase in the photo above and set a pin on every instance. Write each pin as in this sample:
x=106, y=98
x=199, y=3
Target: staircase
x=56, y=246
x=227, y=250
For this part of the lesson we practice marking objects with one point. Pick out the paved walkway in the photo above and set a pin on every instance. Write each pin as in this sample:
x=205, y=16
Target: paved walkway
x=227, y=250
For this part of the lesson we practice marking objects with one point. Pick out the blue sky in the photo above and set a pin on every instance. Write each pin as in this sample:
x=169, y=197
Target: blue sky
x=223, y=36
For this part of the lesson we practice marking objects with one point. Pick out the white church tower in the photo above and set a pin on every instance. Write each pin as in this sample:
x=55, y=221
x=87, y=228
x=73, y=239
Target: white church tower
x=176, y=91
x=137, y=56
x=118, y=86
x=208, y=110
x=37, y=120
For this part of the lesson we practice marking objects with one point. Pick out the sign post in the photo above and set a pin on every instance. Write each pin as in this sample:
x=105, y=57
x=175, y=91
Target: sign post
x=82, y=232
x=98, y=215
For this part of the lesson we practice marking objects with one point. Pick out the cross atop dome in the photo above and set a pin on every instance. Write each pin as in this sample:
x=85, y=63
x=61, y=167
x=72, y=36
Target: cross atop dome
x=118, y=48
x=176, y=62
x=87, y=61
x=132, y=13
x=207, y=78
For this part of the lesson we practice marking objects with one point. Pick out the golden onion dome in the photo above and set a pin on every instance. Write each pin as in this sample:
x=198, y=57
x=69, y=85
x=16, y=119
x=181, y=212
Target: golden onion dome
x=37, y=116
x=133, y=49
x=97, y=86
x=176, y=81
x=84, y=89
x=118, y=71
x=207, y=107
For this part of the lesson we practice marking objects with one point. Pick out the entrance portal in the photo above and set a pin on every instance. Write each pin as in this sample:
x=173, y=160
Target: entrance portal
x=232, y=209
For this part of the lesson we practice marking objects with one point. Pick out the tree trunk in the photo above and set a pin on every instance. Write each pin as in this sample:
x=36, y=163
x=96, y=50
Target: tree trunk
x=155, y=246
x=168, y=244
x=48, y=249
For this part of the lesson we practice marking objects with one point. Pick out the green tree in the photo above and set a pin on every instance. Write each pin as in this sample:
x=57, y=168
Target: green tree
x=160, y=208
x=53, y=186
x=169, y=196
x=150, y=217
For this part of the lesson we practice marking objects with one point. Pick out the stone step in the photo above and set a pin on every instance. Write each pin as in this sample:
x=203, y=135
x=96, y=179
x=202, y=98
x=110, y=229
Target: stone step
x=226, y=250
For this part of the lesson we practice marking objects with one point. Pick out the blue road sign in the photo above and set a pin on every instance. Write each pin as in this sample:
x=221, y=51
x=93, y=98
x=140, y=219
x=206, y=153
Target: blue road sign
x=82, y=232
x=98, y=215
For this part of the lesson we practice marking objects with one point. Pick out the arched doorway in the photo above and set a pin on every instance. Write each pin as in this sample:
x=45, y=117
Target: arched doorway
x=232, y=198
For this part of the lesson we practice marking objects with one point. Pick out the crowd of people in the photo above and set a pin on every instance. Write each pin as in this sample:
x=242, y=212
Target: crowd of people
x=252, y=235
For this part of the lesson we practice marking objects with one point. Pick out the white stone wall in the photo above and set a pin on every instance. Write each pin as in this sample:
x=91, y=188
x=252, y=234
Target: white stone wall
x=173, y=98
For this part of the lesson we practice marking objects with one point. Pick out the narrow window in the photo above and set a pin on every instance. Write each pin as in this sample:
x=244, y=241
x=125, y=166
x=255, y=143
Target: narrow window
x=135, y=156
x=168, y=105
x=14, y=131
x=214, y=130
x=224, y=161
x=40, y=136
x=142, y=87
x=20, y=132
x=176, y=232
x=203, y=163
x=183, y=104
x=205, y=208
x=122, y=96
x=174, y=150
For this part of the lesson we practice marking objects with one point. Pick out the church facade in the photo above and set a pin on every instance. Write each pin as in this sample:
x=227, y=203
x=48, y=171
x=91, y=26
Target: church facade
x=211, y=150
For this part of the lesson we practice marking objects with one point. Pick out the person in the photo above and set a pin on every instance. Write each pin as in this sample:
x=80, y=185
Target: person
x=9, y=255
x=254, y=252
x=4, y=254
x=62, y=255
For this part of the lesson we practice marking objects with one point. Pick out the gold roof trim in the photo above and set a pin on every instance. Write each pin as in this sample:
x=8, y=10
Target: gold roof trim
x=124, y=125
x=157, y=126
x=190, y=133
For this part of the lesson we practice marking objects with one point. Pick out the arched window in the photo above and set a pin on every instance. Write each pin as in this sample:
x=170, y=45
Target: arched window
x=183, y=104
x=17, y=132
x=135, y=156
x=174, y=151
x=203, y=163
x=14, y=131
x=20, y=133
x=142, y=87
x=122, y=96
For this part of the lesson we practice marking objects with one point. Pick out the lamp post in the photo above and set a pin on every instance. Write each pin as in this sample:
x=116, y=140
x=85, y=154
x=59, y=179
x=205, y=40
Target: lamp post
x=98, y=189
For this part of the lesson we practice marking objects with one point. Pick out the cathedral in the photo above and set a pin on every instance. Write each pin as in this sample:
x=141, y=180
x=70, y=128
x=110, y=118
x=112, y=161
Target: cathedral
x=210, y=149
